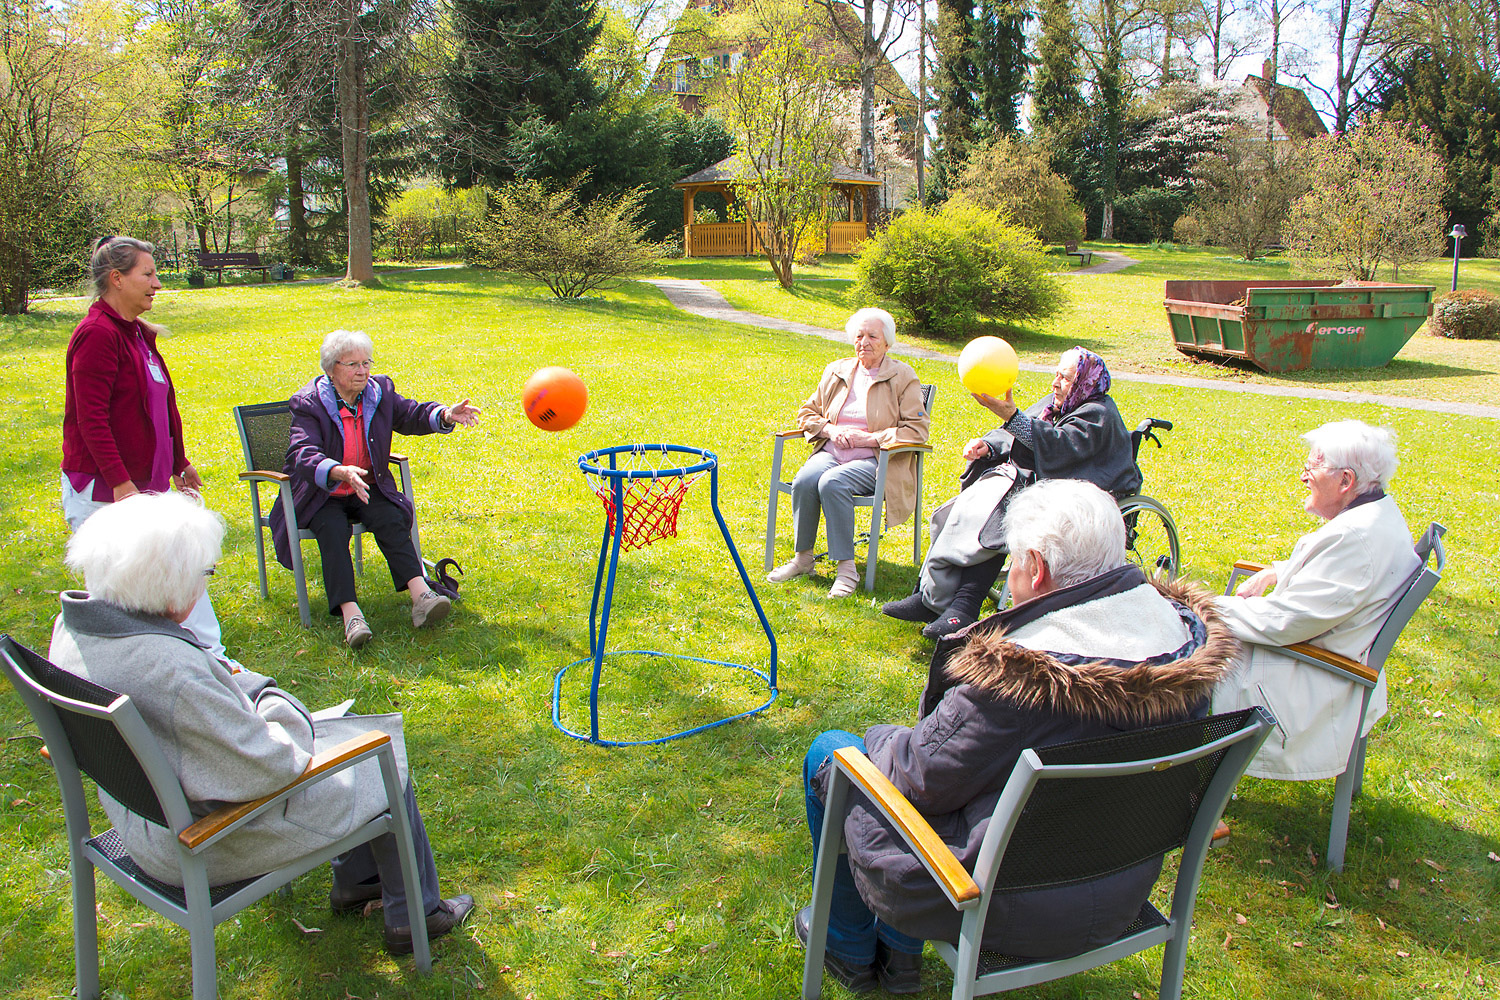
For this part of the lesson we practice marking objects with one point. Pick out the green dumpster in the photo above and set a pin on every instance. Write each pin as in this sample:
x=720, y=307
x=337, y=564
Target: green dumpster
x=1284, y=326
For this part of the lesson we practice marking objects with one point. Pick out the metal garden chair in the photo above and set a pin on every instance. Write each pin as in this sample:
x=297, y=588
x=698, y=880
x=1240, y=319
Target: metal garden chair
x=1366, y=675
x=1069, y=813
x=875, y=501
x=265, y=432
x=91, y=730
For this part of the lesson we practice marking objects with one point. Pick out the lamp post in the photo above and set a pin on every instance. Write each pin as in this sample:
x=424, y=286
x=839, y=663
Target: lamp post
x=1459, y=232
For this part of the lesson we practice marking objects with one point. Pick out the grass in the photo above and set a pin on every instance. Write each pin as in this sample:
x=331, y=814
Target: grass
x=672, y=871
x=1121, y=317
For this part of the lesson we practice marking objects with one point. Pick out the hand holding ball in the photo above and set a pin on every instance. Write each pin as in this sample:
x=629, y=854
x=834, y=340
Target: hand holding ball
x=988, y=366
x=554, y=399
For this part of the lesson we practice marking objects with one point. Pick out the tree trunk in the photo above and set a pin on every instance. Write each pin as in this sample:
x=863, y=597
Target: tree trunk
x=922, y=105
x=296, y=205
x=354, y=125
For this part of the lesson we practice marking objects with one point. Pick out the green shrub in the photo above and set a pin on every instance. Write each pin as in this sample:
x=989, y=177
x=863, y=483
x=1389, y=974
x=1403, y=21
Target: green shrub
x=1470, y=314
x=946, y=269
x=546, y=235
x=1015, y=178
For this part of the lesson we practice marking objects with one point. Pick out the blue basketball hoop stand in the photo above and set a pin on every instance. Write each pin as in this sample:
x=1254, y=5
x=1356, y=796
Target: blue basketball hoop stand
x=642, y=490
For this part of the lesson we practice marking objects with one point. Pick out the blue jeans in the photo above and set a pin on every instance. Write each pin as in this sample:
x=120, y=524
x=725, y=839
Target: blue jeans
x=852, y=928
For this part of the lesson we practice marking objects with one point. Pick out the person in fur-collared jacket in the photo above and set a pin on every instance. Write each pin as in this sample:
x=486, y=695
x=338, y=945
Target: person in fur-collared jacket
x=1090, y=648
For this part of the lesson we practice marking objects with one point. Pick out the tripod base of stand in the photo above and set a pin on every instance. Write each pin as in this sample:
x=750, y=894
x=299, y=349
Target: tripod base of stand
x=600, y=741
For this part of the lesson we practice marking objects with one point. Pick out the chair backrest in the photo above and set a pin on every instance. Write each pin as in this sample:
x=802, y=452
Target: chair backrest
x=265, y=431
x=85, y=726
x=1078, y=811
x=929, y=396
x=1418, y=586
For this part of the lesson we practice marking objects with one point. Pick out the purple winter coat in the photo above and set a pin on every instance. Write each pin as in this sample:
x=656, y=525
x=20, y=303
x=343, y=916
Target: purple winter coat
x=317, y=445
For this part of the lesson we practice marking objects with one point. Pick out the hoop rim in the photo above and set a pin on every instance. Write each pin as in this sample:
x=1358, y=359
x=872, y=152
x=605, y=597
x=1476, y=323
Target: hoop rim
x=588, y=461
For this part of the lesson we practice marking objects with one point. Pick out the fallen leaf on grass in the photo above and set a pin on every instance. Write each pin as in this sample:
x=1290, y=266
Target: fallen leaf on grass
x=1494, y=856
x=1380, y=923
x=1403, y=954
x=711, y=946
x=1241, y=919
x=1265, y=861
x=1228, y=937
x=1332, y=900
x=1296, y=944
x=20, y=802
x=371, y=907
x=1433, y=865
x=1393, y=883
x=306, y=929
x=669, y=926
x=614, y=954
x=509, y=895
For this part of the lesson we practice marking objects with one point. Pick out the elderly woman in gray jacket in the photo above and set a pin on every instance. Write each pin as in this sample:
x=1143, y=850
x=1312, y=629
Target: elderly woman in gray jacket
x=230, y=734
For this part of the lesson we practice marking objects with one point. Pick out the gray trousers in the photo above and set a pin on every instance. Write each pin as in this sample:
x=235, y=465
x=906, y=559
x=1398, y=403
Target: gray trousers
x=954, y=529
x=823, y=485
x=381, y=859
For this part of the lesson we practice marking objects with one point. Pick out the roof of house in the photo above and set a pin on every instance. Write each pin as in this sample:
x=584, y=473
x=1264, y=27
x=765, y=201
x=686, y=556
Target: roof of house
x=727, y=171
x=1294, y=111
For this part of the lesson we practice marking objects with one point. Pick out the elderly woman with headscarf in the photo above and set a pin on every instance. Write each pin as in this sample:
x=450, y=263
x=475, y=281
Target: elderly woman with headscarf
x=1075, y=432
x=861, y=404
x=121, y=432
x=1334, y=591
x=339, y=462
x=230, y=734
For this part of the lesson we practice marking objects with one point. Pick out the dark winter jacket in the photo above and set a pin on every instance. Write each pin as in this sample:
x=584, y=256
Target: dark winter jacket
x=1032, y=676
x=317, y=446
x=1089, y=442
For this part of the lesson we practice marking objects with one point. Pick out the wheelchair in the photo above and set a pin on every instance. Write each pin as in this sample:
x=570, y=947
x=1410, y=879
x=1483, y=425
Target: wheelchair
x=1150, y=533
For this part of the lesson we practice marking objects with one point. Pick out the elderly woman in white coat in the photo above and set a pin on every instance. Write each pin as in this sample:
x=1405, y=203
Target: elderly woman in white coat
x=1334, y=591
x=861, y=404
x=231, y=735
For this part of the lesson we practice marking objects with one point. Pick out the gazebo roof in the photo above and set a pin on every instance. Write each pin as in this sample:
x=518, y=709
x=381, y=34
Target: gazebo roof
x=726, y=171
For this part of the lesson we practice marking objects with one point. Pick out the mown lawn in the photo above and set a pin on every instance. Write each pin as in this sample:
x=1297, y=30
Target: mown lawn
x=673, y=871
x=1121, y=316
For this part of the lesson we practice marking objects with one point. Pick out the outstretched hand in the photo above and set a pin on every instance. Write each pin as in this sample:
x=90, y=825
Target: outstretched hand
x=1002, y=408
x=462, y=413
x=975, y=449
x=354, y=476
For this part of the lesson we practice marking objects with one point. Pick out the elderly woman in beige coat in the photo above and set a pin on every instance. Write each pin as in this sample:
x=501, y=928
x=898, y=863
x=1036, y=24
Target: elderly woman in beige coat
x=861, y=404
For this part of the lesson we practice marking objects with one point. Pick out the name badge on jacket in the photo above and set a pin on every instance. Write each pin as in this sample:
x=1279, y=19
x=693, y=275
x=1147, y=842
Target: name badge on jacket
x=155, y=369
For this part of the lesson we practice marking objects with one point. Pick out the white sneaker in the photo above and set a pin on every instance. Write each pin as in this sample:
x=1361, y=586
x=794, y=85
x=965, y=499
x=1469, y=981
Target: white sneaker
x=801, y=565
x=847, y=580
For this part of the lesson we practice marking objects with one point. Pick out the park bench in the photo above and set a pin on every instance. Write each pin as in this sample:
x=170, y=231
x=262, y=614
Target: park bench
x=216, y=263
x=1084, y=256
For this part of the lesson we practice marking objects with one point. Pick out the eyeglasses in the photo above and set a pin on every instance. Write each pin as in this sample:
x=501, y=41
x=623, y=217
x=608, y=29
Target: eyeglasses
x=1308, y=468
x=209, y=571
x=356, y=366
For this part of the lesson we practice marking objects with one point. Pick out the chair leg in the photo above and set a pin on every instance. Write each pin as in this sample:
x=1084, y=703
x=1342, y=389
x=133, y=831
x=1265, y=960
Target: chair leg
x=830, y=846
x=201, y=938
x=771, y=503
x=85, y=928
x=877, y=516
x=359, y=553
x=1338, y=827
x=1359, y=768
x=260, y=539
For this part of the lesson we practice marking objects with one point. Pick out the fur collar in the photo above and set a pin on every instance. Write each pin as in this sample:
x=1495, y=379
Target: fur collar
x=1100, y=691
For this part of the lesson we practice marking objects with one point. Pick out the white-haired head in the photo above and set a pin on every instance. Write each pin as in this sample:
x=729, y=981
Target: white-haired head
x=1074, y=526
x=887, y=322
x=1368, y=452
x=149, y=552
x=341, y=342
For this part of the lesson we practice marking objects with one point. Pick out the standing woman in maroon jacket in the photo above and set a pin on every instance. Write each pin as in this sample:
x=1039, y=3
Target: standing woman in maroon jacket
x=121, y=430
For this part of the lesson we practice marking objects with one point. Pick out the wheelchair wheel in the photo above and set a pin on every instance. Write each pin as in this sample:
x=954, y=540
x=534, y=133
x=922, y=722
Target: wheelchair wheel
x=1151, y=536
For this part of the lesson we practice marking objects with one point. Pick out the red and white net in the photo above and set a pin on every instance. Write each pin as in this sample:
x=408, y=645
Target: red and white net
x=650, y=503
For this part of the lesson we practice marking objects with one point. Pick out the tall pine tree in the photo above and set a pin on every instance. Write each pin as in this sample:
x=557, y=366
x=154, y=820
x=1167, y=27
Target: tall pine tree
x=981, y=75
x=518, y=69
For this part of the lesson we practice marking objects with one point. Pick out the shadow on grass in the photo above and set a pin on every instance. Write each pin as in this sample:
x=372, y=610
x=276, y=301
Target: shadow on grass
x=1397, y=371
x=36, y=332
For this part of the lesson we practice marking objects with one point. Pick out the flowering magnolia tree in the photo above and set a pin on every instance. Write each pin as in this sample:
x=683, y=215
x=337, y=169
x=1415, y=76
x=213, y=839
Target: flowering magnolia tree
x=1375, y=199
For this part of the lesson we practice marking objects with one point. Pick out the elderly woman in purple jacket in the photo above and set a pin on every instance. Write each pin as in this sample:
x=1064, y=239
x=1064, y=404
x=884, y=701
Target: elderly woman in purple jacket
x=338, y=459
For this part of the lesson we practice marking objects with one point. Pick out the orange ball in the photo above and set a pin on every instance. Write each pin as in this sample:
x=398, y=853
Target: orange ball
x=554, y=399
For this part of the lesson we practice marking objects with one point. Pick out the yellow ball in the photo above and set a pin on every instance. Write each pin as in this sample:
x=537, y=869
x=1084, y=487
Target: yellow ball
x=988, y=366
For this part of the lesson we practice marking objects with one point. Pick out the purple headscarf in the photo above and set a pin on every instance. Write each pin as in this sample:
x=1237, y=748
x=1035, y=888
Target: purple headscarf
x=1091, y=381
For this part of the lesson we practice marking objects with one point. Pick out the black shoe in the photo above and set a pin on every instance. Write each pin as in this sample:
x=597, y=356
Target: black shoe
x=352, y=899
x=909, y=609
x=898, y=971
x=948, y=624
x=449, y=914
x=856, y=978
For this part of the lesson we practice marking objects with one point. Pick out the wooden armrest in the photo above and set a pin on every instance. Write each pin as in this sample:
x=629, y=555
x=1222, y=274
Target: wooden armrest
x=219, y=819
x=789, y=432
x=892, y=449
x=261, y=475
x=1334, y=660
x=1248, y=567
x=396, y=459
x=956, y=881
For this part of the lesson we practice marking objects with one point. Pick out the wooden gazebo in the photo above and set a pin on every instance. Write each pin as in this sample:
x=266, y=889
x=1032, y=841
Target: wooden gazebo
x=733, y=239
